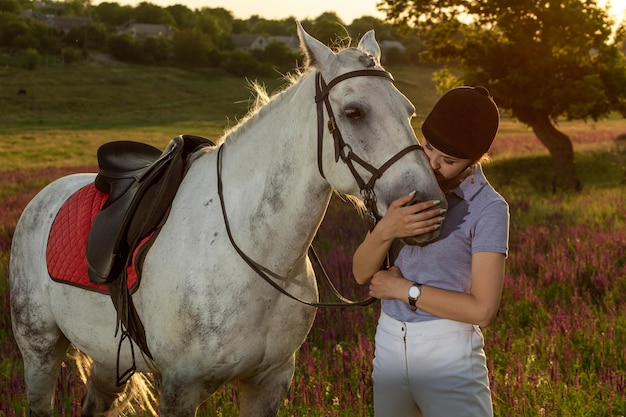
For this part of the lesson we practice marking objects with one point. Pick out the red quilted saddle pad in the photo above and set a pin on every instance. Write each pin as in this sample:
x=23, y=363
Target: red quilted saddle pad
x=67, y=243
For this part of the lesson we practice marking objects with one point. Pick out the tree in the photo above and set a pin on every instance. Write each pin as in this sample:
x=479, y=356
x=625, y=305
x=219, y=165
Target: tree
x=10, y=6
x=122, y=47
x=183, y=16
x=278, y=54
x=112, y=14
x=542, y=60
x=241, y=63
x=285, y=27
x=151, y=13
x=216, y=24
x=328, y=28
x=360, y=25
x=152, y=50
x=192, y=48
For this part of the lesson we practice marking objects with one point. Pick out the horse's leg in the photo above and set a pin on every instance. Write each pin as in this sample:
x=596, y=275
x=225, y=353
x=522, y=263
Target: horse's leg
x=102, y=391
x=182, y=394
x=41, y=342
x=41, y=368
x=262, y=395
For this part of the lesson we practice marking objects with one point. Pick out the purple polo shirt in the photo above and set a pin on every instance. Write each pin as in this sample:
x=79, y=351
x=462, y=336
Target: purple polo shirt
x=477, y=220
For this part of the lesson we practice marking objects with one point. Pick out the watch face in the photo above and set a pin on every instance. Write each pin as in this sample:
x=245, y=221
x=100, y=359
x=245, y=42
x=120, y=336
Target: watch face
x=414, y=292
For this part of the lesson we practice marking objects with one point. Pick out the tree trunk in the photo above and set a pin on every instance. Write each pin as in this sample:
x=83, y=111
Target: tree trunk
x=562, y=152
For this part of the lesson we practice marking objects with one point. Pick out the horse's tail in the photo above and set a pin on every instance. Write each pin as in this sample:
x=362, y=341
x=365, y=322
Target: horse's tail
x=136, y=397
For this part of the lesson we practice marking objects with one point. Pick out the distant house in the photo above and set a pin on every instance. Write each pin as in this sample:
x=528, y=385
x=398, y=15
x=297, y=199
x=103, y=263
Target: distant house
x=292, y=42
x=249, y=42
x=252, y=42
x=66, y=23
x=33, y=14
x=61, y=23
x=145, y=30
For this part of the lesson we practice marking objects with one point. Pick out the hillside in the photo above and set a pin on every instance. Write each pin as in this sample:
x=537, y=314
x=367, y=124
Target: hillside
x=97, y=96
x=97, y=102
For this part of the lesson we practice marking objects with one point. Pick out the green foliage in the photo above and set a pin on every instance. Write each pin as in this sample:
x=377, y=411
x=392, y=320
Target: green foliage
x=112, y=97
x=111, y=14
x=279, y=55
x=329, y=29
x=10, y=6
x=73, y=55
x=540, y=60
x=257, y=24
x=557, y=346
x=202, y=37
x=183, y=16
x=192, y=48
x=155, y=50
x=146, y=12
x=31, y=59
x=242, y=63
x=562, y=58
x=94, y=36
x=446, y=80
x=122, y=47
x=361, y=25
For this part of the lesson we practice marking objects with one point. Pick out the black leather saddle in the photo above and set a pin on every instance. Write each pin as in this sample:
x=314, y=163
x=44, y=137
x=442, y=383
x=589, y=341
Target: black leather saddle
x=141, y=182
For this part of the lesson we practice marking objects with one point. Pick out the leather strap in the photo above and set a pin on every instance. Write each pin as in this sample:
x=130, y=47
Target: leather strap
x=344, y=150
x=265, y=272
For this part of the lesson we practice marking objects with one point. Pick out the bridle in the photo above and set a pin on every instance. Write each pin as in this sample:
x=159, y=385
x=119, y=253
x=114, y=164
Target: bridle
x=343, y=151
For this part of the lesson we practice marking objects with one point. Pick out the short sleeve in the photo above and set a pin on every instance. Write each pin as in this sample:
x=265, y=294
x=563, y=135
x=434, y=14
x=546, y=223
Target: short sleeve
x=491, y=230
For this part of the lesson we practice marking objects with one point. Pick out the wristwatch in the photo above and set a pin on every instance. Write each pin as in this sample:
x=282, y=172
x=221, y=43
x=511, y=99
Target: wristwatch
x=415, y=291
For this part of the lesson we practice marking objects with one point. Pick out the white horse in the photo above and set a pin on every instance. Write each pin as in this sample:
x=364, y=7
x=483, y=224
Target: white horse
x=209, y=318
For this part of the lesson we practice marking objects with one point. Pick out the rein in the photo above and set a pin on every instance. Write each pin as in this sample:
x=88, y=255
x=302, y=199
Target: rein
x=343, y=151
x=265, y=273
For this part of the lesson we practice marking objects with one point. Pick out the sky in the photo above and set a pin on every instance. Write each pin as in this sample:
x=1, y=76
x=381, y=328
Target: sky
x=347, y=10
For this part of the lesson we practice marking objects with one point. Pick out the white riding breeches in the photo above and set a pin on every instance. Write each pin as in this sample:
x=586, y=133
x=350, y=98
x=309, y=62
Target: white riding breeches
x=432, y=369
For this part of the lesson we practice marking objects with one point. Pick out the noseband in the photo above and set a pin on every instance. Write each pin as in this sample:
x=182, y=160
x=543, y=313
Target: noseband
x=344, y=150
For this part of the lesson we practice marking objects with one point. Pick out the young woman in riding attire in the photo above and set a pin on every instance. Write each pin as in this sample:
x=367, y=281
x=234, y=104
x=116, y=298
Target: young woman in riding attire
x=429, y=358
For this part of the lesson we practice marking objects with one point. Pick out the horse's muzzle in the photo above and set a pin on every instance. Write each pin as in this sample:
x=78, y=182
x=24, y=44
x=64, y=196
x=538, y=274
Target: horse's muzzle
x=426, y=238
x=421, y=240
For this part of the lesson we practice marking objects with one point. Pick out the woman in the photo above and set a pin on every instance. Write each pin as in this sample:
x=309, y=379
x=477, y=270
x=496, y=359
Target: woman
x=429, y=359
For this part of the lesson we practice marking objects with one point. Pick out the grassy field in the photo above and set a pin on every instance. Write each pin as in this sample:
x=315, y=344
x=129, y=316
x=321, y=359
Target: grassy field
x=558, y=346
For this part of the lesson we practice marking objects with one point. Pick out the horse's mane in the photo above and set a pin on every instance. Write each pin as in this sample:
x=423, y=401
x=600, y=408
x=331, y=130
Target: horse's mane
x=260, y=99
x=260, y=96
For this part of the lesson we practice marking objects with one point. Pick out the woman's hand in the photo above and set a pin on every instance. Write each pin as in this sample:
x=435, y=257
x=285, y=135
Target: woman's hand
x=402, y=221
x=390, y=284
x=399, y=221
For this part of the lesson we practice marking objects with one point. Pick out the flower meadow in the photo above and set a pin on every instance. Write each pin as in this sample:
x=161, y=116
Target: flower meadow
x=557, y=348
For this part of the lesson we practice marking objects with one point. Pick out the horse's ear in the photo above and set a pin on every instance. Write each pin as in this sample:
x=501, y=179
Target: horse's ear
x=317, y=54
x=369, y=45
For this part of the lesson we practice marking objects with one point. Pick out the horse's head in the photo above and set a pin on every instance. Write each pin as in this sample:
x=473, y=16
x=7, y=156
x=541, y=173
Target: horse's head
x=366, y=145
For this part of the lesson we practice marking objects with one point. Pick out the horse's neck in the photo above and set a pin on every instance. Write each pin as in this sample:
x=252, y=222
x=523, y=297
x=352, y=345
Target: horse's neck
x=274, y=195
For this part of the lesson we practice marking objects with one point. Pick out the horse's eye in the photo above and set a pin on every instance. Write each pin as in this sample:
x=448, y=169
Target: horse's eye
x=353, y=113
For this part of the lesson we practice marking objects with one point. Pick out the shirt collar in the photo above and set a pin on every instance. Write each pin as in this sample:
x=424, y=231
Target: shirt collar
x=471, y=185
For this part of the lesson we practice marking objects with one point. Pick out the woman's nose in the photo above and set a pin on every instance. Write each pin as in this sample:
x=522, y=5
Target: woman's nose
x=434, y=163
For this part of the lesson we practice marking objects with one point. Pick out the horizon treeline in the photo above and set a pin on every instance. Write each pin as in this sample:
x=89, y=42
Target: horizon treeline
x=204, y=37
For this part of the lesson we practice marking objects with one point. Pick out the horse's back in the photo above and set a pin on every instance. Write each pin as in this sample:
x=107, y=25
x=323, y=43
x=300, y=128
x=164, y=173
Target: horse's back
x=28, y=249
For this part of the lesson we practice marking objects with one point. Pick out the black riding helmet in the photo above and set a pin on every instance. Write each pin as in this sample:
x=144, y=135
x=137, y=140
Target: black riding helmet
x=463, y=123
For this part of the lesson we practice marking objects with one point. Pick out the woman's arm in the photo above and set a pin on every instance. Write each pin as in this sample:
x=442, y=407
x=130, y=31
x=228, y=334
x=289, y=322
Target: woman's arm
x=479, y=306
x=399, y=221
